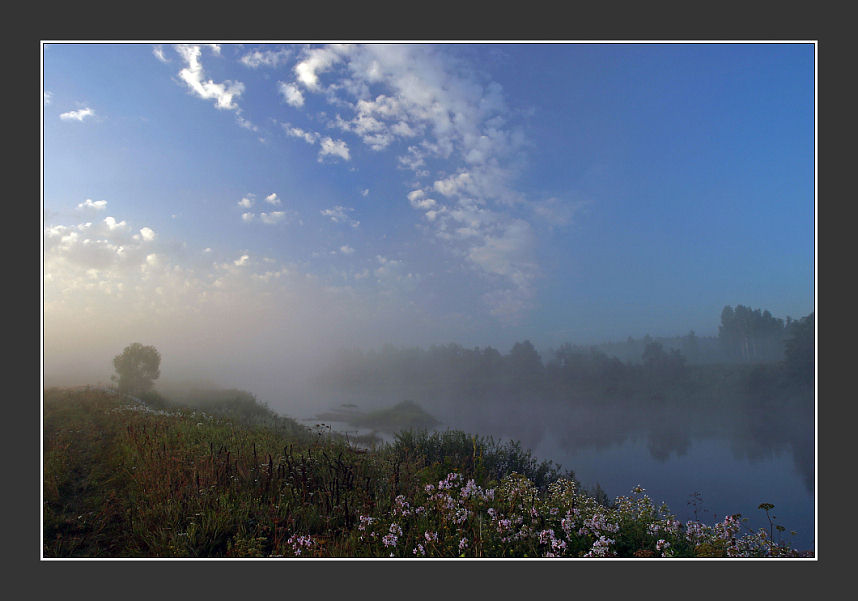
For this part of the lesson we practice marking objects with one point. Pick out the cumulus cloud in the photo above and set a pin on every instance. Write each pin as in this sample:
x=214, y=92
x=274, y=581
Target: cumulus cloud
x=291, y=94
x=112, y=224
x=78, y=115
x=193, y=75
x=347, y=250
x=267, y=218
x=333, y=148
x=97, y=205
x=316, y=61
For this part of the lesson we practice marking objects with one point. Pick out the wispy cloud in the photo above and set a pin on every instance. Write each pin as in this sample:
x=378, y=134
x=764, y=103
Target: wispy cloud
x=193, y=75
x=310, y=137
x=78, y=115
x=291, y=94
x=266, y=58
x=340, y=214
x=158, y=51
x=453, y=130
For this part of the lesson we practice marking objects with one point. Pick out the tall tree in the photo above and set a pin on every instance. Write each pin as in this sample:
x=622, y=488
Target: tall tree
x=137, y=367
x=800, y=355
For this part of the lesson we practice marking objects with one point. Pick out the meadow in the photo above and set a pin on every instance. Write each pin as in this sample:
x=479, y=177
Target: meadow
x=224, y=476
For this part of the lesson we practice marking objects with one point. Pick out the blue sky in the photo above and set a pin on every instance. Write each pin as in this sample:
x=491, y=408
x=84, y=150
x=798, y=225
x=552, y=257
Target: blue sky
x=260, y=197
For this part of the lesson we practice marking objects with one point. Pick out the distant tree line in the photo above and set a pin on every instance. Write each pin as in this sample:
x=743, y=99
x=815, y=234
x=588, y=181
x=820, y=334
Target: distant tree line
x=454, y=372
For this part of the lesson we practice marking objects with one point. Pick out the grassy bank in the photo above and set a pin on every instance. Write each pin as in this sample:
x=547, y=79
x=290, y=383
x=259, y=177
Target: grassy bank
x=226, y=478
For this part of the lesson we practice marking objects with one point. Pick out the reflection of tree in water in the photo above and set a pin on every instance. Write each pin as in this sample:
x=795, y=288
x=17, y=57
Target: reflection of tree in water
x=665, y=439
x=774, y=425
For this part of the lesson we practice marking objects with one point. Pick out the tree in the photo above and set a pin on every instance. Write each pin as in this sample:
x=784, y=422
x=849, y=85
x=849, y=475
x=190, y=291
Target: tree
x=524, y=368
x=136, y=368
x=751, y=335
x=801, y=350
x=662, y=365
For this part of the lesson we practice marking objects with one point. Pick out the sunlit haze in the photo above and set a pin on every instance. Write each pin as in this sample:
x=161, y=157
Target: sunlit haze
x=249, y=209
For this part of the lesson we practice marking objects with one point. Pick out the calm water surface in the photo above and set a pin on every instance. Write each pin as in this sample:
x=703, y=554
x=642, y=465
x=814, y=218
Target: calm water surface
x=705, y=462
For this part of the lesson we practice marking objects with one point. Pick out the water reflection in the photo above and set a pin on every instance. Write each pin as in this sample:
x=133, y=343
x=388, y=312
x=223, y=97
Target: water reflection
x=667, y=439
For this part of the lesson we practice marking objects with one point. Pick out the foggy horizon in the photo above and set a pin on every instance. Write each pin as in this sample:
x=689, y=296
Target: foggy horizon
x=249, y=208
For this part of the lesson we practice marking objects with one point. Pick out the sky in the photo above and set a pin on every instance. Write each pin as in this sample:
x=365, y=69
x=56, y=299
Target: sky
x=250, y=206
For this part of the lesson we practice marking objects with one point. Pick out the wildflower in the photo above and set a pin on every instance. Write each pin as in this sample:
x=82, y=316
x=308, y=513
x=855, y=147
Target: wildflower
x=299, y=543
x=470, y=489
x=419, y=548
x=463, y=544
x=601, y=548
x=403, y=508
x=461, y=516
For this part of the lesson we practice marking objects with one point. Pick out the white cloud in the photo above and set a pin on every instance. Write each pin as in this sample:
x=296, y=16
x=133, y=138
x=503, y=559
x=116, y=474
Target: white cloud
x=334, y=148
x=347, y=250
x=246, y=202
x=556, y=212
x=310, y=137
x=158, y=51
x=454, y=185
x=97, y=205
x=291, y=94
x=272, y=199
x=247, y=217
x=241, y=261
x=47, y=97
x=147, y=234
x=112, y=224
x=315, y=61
x=265, y=58
x=272, y=218
x=339, y=214
x=78, y=115
x=246, y=124
x=418, y=200
x=224, y=94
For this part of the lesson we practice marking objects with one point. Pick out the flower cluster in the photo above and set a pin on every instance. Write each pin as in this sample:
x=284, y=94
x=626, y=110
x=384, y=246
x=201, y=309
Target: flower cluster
x=456, y=517
x=301, y=543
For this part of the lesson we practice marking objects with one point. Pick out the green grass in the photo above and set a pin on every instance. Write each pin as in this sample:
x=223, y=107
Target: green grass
x=124, y=479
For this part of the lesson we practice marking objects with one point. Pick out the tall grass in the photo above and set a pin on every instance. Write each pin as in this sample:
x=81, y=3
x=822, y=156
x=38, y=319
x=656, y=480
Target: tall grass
x=126, y=479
